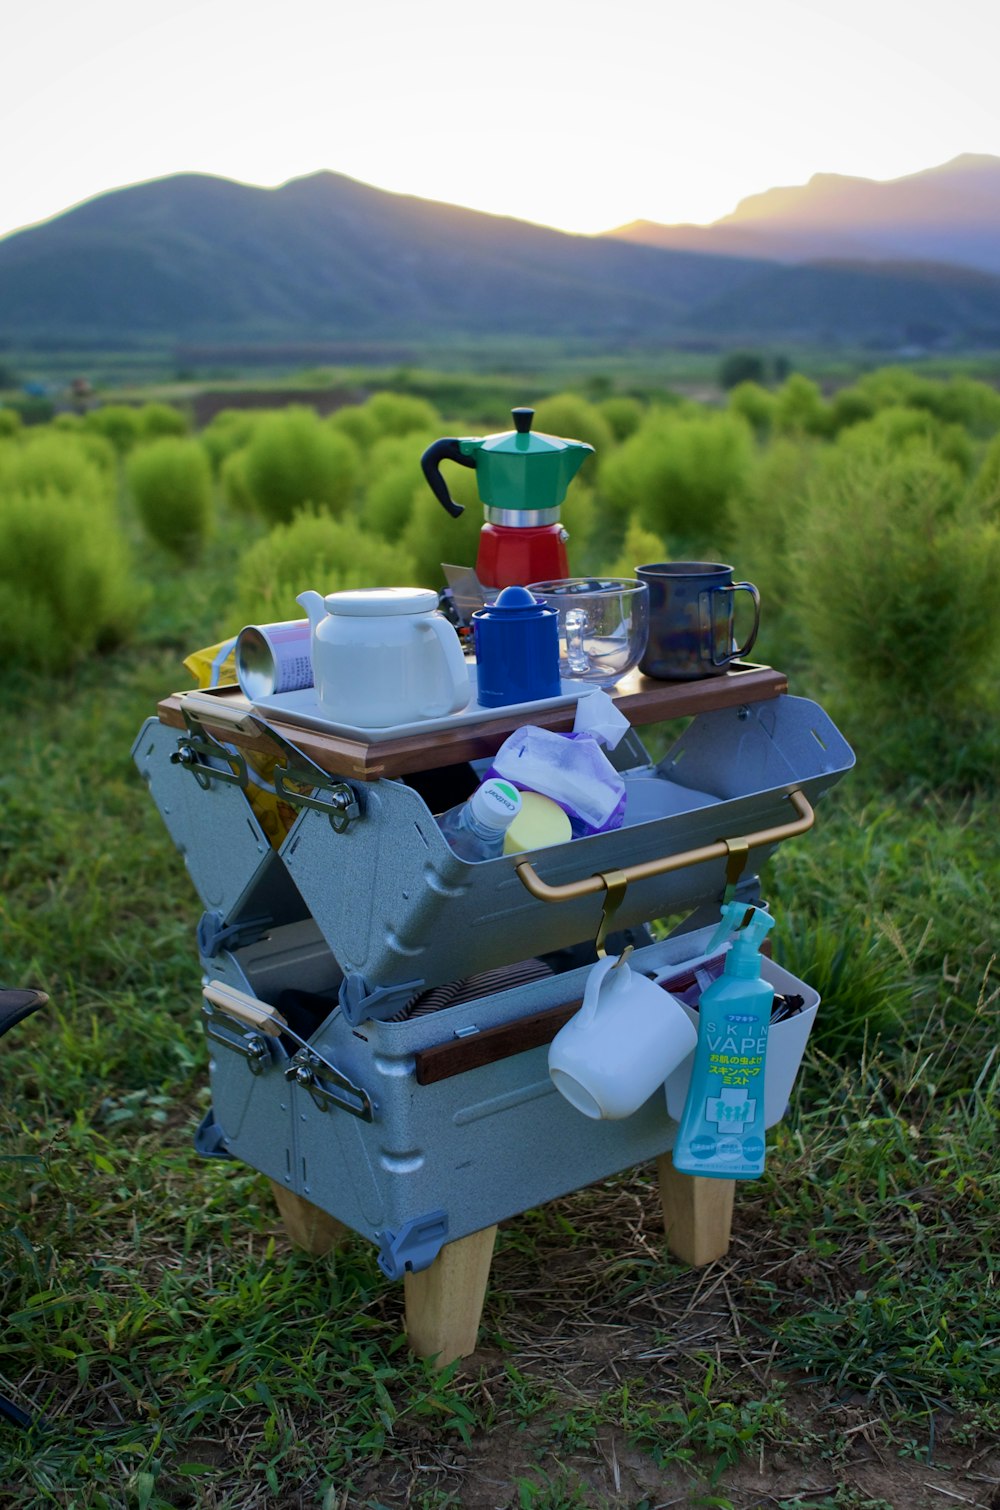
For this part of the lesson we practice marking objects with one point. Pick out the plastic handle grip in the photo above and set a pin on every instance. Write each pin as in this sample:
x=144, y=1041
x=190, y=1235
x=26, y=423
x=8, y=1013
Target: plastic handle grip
x=448, y=449
x=570, y=891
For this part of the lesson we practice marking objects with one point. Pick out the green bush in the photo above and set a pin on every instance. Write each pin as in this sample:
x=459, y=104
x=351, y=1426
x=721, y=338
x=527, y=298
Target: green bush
x=392, y=477
x=357, y=422
x=896, y=427
x=118, y=423
x=10, y=421
x=158, y=420
x=641, y=547
x=171, y=484
x=755, y=404
x=799, y=408
x=621, y=414
x=848, y=407
x=959, y=400
x=234, y=485
x=771, y=506
x=678, y=472
x=294, y=459
x=432, y=536
x=66, y=584
x=896, y=576
x=57, y=460
x=402, y=414
x=228, y=431
x=313, y=551
x=571, y=417
x=986, y=487
x=739, y=367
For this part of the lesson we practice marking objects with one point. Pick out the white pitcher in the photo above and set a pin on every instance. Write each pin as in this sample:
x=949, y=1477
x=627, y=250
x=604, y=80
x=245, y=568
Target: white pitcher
x=384, y=656
x=627, y=1037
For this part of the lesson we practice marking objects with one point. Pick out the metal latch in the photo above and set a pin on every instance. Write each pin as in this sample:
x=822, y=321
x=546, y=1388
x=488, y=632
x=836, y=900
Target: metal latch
x=341, y=1093
x=340, y=802
x=331, y=1088
x=197, y=747
x=250, y=1046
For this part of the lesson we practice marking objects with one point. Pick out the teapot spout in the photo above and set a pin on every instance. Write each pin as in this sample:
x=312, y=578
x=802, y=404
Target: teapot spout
x=315, y=607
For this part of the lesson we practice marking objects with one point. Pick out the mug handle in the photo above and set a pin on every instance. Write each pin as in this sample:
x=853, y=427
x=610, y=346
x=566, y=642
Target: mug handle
x=734, y=655
x=459, y=691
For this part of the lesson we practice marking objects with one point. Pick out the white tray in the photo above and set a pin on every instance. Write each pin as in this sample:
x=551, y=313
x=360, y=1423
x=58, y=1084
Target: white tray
x=303, y=708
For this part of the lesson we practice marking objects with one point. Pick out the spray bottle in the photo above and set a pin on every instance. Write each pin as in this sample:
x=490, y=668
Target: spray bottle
x=722, y=1129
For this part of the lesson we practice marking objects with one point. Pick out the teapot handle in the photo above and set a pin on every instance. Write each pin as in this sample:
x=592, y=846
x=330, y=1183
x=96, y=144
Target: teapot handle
x=456, y=671
x=448, y=449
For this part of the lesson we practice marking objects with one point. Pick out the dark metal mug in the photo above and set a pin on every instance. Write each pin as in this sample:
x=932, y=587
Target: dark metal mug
x=691, y=619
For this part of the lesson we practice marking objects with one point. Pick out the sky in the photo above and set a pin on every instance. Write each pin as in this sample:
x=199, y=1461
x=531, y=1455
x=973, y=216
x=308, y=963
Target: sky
x=583, y=114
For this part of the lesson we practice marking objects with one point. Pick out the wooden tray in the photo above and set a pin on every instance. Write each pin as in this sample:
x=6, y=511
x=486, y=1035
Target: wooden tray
x=642, y=699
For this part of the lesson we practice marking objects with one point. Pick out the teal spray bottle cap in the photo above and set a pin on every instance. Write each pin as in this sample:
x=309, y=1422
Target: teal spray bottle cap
x=747, y=927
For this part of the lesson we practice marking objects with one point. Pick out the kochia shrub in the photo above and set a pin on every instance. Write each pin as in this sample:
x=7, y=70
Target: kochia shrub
x=157, y=420
x=432, y=536
x=171, y=484
x=392, y=478
x=402, y=414
x=678, y=472
x=294, y=459
x=66, y=586
x=622, y=414
x=314, y=551
x=117, y=422
x=570, y=416
x=60, y=461
x=896, y=591
x=228, y=431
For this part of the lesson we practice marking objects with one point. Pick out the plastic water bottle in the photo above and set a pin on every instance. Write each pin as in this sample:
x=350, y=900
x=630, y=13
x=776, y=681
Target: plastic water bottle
x=475, y=829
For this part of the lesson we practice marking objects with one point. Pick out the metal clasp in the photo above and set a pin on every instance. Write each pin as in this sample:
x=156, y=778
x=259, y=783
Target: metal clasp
x=198, y=746
x=342, y=1093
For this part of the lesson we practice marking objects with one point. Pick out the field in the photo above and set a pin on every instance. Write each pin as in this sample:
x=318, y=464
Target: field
x=174, y=1348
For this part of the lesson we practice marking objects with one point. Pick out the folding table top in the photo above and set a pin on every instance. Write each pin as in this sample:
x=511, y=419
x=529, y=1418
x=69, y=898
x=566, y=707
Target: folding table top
x=641, y=698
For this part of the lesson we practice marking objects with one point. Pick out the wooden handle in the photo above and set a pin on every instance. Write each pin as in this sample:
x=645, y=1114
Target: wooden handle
x=205, y=708
x=590, y=885
x=244, y=1008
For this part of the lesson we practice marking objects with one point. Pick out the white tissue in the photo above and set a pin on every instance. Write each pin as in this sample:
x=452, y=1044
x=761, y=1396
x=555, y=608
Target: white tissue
x=596, y=714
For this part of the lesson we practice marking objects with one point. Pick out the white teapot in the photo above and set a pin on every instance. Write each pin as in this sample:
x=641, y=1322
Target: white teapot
x=383, y=656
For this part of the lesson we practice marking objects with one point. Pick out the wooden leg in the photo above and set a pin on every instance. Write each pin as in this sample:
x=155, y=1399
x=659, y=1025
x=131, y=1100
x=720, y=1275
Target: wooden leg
x=307, y=1226
x=697, y=1213
x=444, y=1303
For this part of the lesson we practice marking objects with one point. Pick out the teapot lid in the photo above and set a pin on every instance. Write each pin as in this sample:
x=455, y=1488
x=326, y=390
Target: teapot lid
x=377, y=602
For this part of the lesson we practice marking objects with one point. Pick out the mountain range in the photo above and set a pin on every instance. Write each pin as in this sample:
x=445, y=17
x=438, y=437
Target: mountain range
x=947, y=214
x=194, y=258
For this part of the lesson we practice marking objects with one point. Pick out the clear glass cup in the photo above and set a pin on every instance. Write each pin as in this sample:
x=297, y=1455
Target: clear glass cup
x=603, y=625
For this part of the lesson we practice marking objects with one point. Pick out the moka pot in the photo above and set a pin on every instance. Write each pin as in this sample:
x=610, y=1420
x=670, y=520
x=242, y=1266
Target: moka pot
x=522, y=477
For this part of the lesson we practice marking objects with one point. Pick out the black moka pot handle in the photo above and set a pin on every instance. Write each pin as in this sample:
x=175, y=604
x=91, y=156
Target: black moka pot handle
x=448, y=449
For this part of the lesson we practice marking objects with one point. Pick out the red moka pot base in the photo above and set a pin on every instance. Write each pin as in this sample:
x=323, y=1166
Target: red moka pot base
x=509, y=557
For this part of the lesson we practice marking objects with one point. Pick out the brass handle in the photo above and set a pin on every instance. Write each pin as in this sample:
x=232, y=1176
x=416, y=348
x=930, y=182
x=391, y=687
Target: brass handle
x=570, y=891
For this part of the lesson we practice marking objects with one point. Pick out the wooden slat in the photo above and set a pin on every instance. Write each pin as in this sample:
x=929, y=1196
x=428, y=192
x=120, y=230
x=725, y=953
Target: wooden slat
x=641, y=699
x=443, y=1060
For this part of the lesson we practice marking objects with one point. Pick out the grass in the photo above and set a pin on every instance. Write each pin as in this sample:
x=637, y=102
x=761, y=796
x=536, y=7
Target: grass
x=178, y=1352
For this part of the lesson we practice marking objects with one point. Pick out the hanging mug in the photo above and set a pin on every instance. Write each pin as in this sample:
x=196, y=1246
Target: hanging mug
x=627, y=1037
